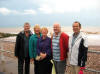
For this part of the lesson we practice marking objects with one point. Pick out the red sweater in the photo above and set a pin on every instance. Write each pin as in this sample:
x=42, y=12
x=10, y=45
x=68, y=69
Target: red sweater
x=63, y=43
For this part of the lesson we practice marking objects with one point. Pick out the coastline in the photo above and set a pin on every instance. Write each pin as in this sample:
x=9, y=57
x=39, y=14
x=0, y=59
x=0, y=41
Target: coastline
x=93, y=33
x=94, y=30
x=93, y=39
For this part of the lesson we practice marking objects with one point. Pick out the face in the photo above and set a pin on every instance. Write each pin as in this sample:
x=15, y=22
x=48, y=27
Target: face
x=44, y=32
x=26, y=27
x=76, y=28
x=56, y=28
x=37, y=30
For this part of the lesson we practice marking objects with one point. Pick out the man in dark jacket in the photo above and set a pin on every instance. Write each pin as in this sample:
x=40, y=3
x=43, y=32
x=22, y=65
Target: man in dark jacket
x=22, y=49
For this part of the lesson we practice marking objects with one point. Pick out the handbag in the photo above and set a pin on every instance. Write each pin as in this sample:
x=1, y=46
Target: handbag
x=53, y=67
x=81, y=70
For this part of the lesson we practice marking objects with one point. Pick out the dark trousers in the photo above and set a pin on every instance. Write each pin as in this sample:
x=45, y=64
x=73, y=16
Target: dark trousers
x=44, y=66
x=24, y=65
x=36, y=66
x=60, y=66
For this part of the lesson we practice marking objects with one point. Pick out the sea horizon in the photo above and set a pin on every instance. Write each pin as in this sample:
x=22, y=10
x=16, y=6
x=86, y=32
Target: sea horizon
x=50, y=28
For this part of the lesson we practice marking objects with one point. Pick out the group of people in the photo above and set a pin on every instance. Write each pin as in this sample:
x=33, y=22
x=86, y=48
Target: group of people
x=40, y=49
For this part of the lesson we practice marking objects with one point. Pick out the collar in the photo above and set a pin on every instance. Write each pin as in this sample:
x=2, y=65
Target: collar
x=76, y=35
x=57, y=35
x=30, y=33
x=41, y=38
x=37, y=36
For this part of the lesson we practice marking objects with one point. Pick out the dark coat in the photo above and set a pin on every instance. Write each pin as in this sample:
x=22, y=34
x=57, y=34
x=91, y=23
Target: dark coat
x=20, y=46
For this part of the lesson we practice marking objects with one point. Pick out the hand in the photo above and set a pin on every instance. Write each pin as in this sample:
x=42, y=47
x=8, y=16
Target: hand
x=32, y=60
x=43, y=55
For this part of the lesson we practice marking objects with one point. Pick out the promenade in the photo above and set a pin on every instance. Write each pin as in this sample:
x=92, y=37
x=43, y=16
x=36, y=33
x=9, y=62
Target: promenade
x=10, y=65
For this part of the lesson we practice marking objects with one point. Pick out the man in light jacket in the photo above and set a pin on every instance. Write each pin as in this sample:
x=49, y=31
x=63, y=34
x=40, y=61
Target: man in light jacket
x=78, y=47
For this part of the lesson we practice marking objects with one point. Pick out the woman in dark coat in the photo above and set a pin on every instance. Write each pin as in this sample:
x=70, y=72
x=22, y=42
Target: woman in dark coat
x=44, y=53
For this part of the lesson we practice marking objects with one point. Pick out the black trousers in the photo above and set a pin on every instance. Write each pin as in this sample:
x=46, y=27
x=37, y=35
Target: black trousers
x=24, y=65
x=44, y=66
x=36, y=66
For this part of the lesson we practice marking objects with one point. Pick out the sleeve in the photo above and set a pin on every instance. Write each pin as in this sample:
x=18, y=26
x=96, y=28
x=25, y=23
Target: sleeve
x=85, y=48
x=31, y=47
x=38, y=48
x=17, y=45
x=49, y=48
x=66, y=42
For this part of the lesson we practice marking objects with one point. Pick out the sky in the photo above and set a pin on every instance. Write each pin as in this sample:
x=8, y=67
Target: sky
x=14, y=13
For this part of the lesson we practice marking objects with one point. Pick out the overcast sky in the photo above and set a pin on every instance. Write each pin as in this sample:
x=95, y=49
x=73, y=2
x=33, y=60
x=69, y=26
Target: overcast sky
x=13, y=13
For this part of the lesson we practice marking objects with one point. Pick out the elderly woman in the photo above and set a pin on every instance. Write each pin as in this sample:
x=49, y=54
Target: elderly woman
x=33, y=45
x=44, y=51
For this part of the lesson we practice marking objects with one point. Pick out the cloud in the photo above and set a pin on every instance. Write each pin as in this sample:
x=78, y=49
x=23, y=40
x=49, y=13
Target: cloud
x=54, y=6
x=45, y=9
x=6, y=11
x=63, y=6
x=29, y=12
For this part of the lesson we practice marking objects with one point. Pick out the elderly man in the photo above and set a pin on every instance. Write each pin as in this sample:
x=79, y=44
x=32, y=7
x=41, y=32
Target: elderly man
x=22, y=49
x=59, y=49
x=77, y=49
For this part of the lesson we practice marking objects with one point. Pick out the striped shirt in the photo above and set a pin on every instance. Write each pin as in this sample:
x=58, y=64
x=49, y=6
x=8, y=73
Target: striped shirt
x=56, y=48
